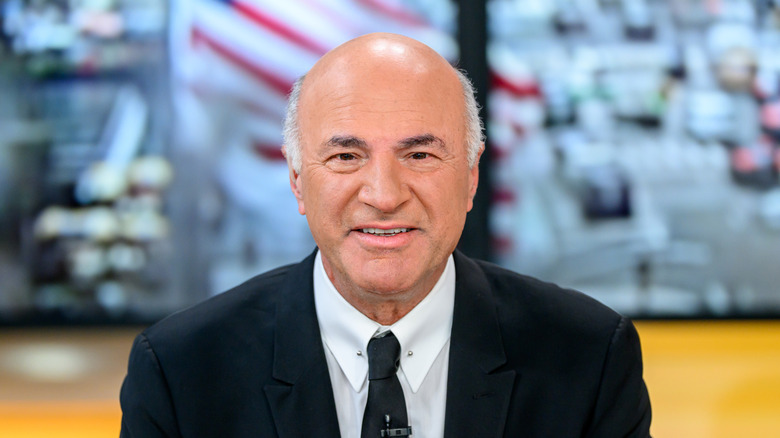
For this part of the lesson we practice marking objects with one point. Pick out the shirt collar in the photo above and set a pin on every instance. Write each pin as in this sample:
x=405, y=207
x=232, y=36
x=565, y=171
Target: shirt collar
x=424, y=331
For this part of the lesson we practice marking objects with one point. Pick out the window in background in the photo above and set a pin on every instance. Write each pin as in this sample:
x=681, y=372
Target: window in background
x=636, y=150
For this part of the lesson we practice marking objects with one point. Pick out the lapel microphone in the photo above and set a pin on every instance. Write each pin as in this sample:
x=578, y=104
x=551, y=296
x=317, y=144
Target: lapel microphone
x=388, y=432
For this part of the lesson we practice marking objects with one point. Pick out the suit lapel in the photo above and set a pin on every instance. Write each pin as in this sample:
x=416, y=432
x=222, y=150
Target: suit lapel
x=477, y=395
x=302, y=402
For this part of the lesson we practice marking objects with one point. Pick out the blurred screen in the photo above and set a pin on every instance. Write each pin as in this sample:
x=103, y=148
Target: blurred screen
x=636, y=149
x=140, y=164
x=85, y=227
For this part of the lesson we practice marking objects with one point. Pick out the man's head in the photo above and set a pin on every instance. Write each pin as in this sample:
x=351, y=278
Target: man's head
x=383, y=142
x=474, y=127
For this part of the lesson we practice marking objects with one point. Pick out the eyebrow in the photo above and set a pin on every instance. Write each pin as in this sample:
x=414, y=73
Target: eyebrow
x=422, y=140
x=345, y=142
x=348, y=141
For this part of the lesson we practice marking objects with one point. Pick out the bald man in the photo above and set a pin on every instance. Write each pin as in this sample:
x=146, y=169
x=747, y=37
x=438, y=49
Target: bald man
x=383, y=140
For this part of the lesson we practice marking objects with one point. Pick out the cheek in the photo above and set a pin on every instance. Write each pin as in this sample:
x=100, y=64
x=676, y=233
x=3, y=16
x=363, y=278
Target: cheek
x=448, y=200
x=326, y=200
x=458, y=190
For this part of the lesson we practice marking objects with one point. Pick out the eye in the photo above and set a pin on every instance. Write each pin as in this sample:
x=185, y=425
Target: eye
x=345, y=161
x=345, y=157
x=419, y=155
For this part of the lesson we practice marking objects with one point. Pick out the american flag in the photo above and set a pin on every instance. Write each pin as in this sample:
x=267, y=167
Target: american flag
x=248, y=53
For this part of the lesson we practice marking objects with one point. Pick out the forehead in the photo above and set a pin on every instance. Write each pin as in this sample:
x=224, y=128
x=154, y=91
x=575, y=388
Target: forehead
x=382, y=101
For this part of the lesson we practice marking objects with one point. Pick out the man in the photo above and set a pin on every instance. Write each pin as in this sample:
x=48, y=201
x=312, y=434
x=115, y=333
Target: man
x=383, y=140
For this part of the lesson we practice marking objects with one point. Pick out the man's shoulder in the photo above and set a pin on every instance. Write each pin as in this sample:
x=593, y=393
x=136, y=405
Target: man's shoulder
x=525, y=299
x=249, y=304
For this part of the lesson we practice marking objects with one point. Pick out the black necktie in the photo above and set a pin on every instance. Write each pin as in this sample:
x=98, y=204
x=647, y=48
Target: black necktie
x=385, y=414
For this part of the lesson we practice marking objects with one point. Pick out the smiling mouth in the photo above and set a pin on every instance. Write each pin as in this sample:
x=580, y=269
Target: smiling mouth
x=384, y=233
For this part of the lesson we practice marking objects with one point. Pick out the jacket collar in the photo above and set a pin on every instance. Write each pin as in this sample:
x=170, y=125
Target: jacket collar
x=302, y=402
x=478, y=392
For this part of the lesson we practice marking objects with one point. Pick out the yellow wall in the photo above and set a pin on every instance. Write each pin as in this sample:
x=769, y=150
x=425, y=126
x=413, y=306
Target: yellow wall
x=713, y=379
x=706, y=380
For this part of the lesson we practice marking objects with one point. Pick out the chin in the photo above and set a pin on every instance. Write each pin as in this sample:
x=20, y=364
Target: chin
x=386, y=280
x=391, y=281
x=386, y=286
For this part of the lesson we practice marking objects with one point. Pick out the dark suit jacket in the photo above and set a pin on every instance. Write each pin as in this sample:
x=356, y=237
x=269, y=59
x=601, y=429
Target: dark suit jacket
x=527, y=359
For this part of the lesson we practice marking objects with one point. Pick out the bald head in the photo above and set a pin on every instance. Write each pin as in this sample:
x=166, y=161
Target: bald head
x=377, y=64
x=381, y=54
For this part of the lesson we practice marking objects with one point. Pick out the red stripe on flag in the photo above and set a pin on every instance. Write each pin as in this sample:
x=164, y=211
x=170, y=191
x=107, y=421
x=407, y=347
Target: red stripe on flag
x=503, y=195
x=271, y=152
x=527, y=89
x=347, y=26
x=254, y=108
x=281, y=85
x=396, y=13
x=278, y=27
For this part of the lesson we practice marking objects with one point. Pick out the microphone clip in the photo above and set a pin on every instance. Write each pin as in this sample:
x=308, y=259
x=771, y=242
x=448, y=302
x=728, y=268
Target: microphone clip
x=404, y=431
x=397, y=432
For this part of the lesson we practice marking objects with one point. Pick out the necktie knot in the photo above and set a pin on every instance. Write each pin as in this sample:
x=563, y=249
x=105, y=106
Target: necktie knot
x=384, y=357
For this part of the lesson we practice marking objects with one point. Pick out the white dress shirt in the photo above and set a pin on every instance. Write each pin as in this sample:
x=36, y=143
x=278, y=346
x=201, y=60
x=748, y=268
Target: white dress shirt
x=424, y=335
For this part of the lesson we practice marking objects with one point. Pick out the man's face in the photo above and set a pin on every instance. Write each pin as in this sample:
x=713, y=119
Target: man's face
x=385, y=181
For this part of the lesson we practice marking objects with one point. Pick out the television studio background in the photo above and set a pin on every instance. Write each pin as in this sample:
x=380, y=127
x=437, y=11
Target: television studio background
x=633, y=154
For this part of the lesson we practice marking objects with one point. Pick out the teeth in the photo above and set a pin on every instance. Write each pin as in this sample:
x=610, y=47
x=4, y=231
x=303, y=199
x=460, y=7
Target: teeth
x=390, y=232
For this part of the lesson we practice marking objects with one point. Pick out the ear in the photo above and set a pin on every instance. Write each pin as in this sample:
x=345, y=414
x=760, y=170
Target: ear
x=474, y=178
x=295, y=184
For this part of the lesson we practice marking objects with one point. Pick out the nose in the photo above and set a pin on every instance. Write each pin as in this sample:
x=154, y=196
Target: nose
x=384, y=187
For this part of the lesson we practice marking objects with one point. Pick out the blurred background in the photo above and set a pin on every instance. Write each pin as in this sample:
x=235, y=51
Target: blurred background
x=633, y=154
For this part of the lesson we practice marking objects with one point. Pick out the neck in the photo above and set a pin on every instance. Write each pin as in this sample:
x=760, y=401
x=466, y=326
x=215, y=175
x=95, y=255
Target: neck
x=384, y=307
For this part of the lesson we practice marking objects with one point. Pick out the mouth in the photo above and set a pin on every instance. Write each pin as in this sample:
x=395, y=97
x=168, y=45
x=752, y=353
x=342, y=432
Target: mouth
x=384, y=233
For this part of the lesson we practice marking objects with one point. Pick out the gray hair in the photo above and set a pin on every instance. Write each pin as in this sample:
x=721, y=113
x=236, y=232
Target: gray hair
x=292, y=131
